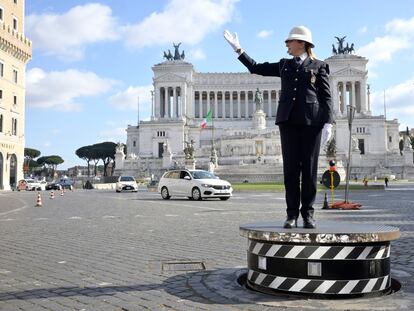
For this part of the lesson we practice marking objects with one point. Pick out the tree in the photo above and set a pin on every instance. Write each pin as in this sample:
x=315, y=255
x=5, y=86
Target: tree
x=29, y=155
x=50, y=162
x=53, y=161
x=106, y=152
x=85, y=154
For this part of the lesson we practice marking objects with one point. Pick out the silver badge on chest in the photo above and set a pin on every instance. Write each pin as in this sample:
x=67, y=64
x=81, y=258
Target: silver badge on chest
x=313, y=77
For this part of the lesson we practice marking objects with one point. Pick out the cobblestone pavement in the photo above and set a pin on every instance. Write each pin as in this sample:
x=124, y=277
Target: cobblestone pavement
x=100, y=250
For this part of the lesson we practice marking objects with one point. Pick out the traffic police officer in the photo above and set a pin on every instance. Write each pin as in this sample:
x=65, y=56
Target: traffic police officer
x=304, y=117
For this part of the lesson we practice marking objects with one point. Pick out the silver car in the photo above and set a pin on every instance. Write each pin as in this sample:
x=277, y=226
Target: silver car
x=194, y=184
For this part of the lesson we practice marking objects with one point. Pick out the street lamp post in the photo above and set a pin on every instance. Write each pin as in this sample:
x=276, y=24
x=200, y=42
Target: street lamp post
x=350, y=110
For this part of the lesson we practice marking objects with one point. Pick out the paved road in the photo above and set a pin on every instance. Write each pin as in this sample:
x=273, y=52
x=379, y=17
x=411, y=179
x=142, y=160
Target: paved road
x=100, y=250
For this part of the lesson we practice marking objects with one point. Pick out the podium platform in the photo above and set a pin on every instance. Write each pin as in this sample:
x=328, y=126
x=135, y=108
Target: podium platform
x=335, y=260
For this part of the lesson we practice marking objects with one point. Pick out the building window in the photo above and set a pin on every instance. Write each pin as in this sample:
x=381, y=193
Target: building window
x=160, y=133
x=134, y=143
x=1, y=14
x=14, y=126
x=15, y=23
x=1, y=95
x=1, y=69
x=15, y=1
x=14, y=75
x=15, y=100
x=361, y=146
x=390, y=139
x=1, y=123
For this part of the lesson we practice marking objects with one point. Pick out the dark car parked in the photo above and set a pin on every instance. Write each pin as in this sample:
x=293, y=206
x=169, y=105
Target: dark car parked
x=53, y=186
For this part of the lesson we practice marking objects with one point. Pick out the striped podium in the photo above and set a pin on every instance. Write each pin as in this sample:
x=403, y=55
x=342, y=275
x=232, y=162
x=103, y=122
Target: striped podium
x=335, y=260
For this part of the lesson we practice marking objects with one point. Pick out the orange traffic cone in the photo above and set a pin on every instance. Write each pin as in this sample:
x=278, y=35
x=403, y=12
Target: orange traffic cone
x=52, y=195
x=39, y=200
x=61, y=193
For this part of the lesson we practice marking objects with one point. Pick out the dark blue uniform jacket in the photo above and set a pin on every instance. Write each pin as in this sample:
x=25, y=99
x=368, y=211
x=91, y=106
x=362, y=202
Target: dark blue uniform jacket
x=305, y=97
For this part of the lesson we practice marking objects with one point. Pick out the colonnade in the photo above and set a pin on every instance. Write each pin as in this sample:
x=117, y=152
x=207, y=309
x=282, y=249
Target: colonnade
x=232, y=104
x=350, y=93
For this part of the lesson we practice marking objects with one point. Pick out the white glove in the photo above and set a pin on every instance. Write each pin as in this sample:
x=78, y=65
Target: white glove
x=326, y=133
x=233, y=40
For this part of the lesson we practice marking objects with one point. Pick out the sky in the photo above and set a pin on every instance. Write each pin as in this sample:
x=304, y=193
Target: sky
x=92, y=60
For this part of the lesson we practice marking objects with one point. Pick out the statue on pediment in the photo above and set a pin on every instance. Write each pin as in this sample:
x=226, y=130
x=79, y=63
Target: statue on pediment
x=342, y=48
x=177, y=56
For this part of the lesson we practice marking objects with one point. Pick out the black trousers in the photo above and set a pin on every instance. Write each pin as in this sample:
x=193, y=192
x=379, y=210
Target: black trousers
x=300, y=151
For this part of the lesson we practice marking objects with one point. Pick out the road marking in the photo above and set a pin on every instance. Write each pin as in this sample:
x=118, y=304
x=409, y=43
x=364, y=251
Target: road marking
x=17, y=209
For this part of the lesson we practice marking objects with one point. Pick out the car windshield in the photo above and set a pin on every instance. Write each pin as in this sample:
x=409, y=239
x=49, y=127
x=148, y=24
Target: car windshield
x=127, y=178
x=203, y=175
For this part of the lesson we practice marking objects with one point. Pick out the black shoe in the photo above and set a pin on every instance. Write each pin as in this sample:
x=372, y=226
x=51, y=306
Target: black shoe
x=309, y=222
x=290, y=222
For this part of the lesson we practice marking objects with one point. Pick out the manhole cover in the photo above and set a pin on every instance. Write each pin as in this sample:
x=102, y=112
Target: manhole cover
x=183, y=266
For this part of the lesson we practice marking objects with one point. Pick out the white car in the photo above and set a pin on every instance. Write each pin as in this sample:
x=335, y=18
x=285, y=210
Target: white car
x=34, y=184
x=126, y=183
x=194, y=184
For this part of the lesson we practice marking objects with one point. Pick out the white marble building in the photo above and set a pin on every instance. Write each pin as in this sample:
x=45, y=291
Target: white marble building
x=245, y=137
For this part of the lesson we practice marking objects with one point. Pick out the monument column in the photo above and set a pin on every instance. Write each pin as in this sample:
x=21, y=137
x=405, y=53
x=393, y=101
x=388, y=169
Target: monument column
x=223, y=103
x=166, y=103
x=174, y=106
x=208, y=102
x=238, y=105
x=345, y=95
x=200, y=104
x=246, y=102
x=269, y=102
x=215, y=104
x=157, y=102
x=353, y=96
x=231, y=105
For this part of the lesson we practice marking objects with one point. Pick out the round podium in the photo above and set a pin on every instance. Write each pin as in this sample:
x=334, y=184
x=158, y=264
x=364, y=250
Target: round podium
x=335, y=260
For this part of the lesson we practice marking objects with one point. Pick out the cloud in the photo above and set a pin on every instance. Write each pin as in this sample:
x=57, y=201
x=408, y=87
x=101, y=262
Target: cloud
x=180, y=21
x=59, y=89
x=399, y=103
x=264, y=34
x=399, y=34
x=115, y=134
x=128, y=100
x=197, y=54
x=363, y=29
x=66, y=35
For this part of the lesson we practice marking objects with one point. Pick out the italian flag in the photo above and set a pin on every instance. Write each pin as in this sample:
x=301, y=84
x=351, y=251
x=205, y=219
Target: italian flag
x=207, y=119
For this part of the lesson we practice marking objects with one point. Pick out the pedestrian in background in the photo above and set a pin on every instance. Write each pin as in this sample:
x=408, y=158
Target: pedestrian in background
x=304, y=115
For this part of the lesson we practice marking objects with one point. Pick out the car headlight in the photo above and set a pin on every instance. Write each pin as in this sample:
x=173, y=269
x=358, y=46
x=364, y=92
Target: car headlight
x=206, y=185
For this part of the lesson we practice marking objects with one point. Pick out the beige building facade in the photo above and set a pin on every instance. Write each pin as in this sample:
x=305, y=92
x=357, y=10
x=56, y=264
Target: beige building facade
x=15, y=52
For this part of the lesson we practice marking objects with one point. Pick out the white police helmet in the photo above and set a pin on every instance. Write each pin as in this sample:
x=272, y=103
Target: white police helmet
x=301, y=33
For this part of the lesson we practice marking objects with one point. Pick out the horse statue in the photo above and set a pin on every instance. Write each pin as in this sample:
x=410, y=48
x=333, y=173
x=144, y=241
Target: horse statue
x=351, y=49
x=334, y=51
x=168, y=56
x=177, y=55
x=340, y=44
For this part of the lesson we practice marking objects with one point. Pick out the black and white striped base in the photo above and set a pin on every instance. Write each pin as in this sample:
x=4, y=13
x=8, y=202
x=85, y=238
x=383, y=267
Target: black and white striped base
x=307, y=266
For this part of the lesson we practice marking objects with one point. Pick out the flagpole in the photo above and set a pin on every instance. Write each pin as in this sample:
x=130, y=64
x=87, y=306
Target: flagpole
x=212, y=129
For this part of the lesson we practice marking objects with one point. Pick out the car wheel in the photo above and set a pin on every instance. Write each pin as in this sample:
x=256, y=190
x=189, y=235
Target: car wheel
x=118, y=191
x=164, y=193
x=196, y=194
x=190, y=198
x=225, y=199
